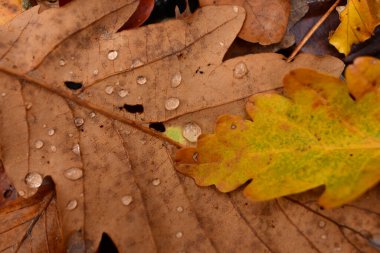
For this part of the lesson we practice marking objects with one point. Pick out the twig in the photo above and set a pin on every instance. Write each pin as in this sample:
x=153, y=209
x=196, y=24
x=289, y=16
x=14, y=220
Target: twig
x=311, y=31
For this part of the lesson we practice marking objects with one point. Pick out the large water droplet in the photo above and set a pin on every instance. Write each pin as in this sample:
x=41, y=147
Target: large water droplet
x=240, y=70
x=33, y=179
x=62, y=62
x=72, y=204
x=179, y=235
x=126, y=200
x=141, y=80
x=191, y=131
x=136, y=63
x=78, y=122
x=171, y=104
x=112, y=55
x=76, y=149
x=236, y=9
x=38, y=144
x=179, y=209
x=156, y=182
x=123, y=93
x=109, y=89
x=73, y=173
x=51, y=131
x=176, y=80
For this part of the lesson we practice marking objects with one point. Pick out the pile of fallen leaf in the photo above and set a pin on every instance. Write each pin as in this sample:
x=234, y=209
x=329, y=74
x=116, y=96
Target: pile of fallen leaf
x=107, y=115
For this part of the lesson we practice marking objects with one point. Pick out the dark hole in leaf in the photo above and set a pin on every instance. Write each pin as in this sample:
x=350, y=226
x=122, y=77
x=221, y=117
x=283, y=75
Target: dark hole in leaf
x=133, y=108
x=107, y=245
x=352, y=96
x=73, y=85
x=7, y=193
x=158, y=126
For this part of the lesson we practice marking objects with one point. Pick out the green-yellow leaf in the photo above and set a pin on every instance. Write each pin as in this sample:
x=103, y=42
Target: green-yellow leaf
x=314, y=135
x=358, y=22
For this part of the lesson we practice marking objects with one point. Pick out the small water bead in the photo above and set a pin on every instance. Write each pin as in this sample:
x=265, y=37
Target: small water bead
x=21, y=193
x=95, y=72
x=126, y=200
x=53, y=148
x=323, y=237
x=123, y=93
x=109, y=90
x=179, y=209
x=322, y=224
x=44, y=126
x=195, y=157
x=3, y=94
x=73, y=173
x=236, y=9
x=171, y=104
x=179, y=235
x=38, y=144
x=136, y=63
x=78, y=122
x=233, y=126
x=112, y=55
x=92, y=114
x=156, y=182
x=33, y=179
x=62, y=62
x=240, y=70
x=191, y=131
x=141, y=80
x=76, y=149
x=51, y=131
x=221, y=44
x=72, y=204
x=28, y=105
x=176, y=80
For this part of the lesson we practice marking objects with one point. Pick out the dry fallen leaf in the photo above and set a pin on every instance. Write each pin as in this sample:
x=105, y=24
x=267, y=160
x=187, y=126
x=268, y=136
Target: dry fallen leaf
x=316, y=135
x=120, y=178
x=358, y=22
x=266, y=20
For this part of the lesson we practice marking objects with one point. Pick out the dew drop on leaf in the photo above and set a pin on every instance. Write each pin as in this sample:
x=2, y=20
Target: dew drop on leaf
x=171, y=104
x=28, y=105
x=109, y=90
x=53, y=148
x=33, y=179
x=72, y=204
x=76, y=149
x=240, y=70
x=126, y=200
x=176, y=80
x=123, y=93
x=322, y=224
x=156, y=182
x=95, y=72
x=51, y=131
x=179, y=209
x=38, y=144
x=179, y=235
x=78, y=122
x=92, y=114
x=112, y=55
x=62, y=62
x=191, y=131
x=136, y=63
x=141, y=80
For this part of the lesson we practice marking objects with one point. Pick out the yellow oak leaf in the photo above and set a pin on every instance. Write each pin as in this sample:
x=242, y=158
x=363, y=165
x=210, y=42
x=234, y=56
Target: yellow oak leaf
x=9, y=9
x=314, y=135
x=358, y=22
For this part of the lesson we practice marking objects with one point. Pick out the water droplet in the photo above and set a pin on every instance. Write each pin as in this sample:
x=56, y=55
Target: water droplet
x=171, y=104
x=136, y=63
x=72, y=204
x=233, y=126
x=191, y=131
x=95, y=72
x=21, y=193
x=78, y=122
x=323, y=237
x=180, y=209
x=240, y=70
x=44, y=126
x=176, y=80
x=33, y=179
x=3, y=94
x=53, y=148
x=123, y=93
x=109, y=89
x=221, y=44
x=322, y=224
x=156, y=182
x=92, y=114
x=70, y=135
x=73, y=173
x=126, y=200
x=76, y=149
x=28, y=105
x=112, y=55
x=139, y=98
x=62, y=62
x=236, y=9
x=141, y=80
x=179, y=234
x=195, y=157
x=51, y=131
x=38, y=144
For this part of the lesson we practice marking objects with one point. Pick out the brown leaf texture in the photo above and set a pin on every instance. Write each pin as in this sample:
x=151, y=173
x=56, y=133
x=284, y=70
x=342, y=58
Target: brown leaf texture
x=129, y=188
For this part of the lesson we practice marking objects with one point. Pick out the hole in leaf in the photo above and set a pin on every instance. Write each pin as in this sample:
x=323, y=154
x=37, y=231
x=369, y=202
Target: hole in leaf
x=133, y=108
x=106, y=245
x=158, y=126
x=7, y=193
x=352, y=96
x=73, y=85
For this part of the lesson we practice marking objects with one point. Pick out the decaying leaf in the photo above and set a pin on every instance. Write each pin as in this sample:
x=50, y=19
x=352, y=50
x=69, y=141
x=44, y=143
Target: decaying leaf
x=112, y=173
x=266, y=21
x=316, y=135
x=358, y=22
x=9, y=9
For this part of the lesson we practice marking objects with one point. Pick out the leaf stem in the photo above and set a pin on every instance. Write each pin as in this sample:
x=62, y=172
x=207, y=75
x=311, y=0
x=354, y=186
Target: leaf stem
x=312, y=31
